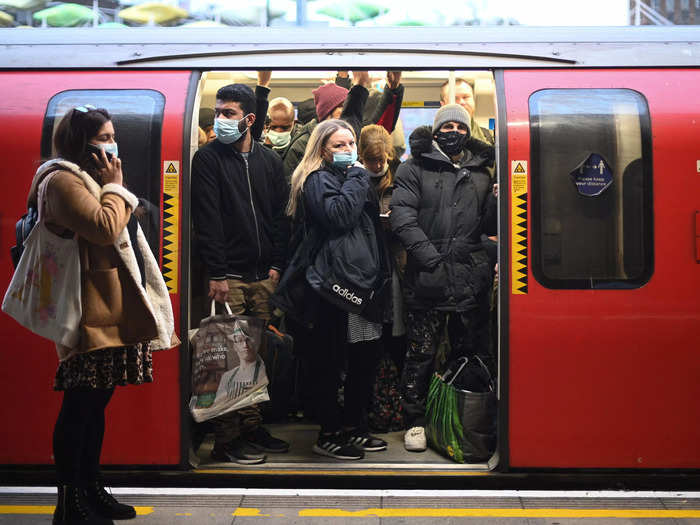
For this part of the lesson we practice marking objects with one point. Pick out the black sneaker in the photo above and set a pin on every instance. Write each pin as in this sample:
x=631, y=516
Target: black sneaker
x=238, y=451
x=336, y=446
x=365, y=442
x=261, y=440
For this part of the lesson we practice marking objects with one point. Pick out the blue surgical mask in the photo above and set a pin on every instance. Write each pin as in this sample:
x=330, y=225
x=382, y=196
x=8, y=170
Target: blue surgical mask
x=227, y=130
x=343, y=160
x=109, y=147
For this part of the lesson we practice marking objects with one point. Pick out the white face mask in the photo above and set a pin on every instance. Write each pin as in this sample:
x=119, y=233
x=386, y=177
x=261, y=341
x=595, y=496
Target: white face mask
x=380, y=174
x=279, y=139
x=109, y=147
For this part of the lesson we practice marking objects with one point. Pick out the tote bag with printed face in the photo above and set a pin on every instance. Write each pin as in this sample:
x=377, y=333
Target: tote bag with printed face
x=44, y=293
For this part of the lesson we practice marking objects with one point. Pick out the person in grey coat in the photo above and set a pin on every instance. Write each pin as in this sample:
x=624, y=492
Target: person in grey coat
x=442, y=202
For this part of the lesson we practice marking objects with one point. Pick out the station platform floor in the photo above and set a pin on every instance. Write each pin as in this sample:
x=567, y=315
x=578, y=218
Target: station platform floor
x=194, y=506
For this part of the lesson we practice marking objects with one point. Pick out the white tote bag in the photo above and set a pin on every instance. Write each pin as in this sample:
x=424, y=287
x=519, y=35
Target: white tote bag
x=44, y=293
x=228, y=372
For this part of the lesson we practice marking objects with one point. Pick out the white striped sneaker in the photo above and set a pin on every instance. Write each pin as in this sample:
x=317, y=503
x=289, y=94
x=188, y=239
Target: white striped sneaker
x=366, y=442
x=336, y=446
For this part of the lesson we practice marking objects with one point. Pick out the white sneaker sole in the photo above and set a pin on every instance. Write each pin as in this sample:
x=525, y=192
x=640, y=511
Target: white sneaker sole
x=374, y=449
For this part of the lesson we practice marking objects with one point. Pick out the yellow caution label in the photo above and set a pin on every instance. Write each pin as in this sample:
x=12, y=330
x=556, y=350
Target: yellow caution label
x=171, y=224
x=518, y=234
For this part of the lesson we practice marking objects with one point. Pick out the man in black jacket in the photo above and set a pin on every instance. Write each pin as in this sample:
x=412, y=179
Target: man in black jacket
x=239, y=194
x=442, y=202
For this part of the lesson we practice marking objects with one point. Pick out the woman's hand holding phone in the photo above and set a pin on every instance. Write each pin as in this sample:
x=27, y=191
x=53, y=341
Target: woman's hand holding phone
x=109, y=167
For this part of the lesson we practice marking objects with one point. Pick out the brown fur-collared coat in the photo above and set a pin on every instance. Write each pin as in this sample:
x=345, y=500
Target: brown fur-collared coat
x=117, y=310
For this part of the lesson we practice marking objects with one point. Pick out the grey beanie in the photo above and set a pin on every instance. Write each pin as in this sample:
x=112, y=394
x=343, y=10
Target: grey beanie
x=452, y=113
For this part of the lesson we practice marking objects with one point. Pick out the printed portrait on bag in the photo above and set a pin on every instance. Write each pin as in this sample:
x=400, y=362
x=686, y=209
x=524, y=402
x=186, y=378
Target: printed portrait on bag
x=226, y=362
x=244, y=362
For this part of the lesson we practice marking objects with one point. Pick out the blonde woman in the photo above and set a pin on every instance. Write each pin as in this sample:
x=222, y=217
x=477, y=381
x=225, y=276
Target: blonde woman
x=334, y=283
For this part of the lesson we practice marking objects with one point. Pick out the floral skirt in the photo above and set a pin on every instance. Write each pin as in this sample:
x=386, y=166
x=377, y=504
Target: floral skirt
x=106, y=368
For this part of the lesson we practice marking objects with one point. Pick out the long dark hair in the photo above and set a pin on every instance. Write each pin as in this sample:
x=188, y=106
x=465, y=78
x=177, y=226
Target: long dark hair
x=74, y=132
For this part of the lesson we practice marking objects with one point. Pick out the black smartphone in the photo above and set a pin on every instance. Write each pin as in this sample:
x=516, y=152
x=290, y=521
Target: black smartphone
x=91, y=148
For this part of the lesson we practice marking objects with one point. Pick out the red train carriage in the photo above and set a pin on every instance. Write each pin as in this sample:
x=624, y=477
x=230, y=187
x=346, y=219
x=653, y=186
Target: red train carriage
x=599, y=237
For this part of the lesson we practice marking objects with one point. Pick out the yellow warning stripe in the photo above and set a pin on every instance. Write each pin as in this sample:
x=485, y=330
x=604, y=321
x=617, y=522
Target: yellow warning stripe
x=419, y=512
x=483, y=513
x=171, y=220
x=48, y=509
x=518, y=234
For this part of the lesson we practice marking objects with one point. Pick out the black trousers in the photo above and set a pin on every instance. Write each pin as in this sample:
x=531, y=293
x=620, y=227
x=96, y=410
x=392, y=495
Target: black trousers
x=78, y=435
x=326, y=359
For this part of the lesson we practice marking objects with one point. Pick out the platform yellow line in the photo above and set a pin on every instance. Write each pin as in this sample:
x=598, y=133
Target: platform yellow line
x=499, y=513
x=48, y=509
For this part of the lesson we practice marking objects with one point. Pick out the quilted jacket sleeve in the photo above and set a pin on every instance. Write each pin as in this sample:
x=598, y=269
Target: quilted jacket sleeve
x=405, y=203
x=335, y=204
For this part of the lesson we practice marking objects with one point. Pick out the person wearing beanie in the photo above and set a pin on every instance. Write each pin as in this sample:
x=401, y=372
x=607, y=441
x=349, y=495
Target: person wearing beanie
x=452, y=113
x=334, y=101
x=442, y=202
x=329, y=100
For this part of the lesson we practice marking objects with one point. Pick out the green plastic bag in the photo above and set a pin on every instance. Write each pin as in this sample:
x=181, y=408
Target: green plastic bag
x=461, y=424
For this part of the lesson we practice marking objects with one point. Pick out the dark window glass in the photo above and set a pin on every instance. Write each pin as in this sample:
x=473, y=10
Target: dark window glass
x=591, y=188
x=137, y=115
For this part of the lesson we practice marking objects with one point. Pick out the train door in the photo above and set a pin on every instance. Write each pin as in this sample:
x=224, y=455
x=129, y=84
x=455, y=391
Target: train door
x=602, y=272
x=148, y=110
x=286, y=417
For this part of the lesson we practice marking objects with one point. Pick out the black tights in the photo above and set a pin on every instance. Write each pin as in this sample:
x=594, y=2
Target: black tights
x=77, y=436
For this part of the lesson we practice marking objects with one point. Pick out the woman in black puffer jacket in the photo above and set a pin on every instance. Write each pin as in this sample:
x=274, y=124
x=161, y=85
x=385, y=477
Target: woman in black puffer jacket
x=442, y=203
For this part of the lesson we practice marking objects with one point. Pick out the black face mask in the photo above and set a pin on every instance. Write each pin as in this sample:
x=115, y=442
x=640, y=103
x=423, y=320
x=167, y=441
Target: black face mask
x=451, y=142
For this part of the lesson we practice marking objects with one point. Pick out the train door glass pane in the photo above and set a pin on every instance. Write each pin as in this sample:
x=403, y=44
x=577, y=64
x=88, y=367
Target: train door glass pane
x=137, y=115
x=592, y=188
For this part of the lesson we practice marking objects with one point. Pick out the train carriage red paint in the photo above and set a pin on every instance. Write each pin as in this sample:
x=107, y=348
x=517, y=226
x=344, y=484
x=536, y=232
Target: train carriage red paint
x=147, y=417
x=608, y=378
x=602, y=378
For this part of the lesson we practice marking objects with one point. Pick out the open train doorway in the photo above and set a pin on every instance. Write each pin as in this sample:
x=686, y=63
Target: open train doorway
x=289, y=414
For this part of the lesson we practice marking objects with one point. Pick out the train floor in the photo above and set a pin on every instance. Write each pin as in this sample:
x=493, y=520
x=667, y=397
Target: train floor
x=34, y=505
x=302, y=436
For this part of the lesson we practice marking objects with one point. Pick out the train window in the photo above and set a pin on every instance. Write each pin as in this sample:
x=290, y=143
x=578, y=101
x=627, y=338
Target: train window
x=413, y=116
x=591, y=188
x=138, y=120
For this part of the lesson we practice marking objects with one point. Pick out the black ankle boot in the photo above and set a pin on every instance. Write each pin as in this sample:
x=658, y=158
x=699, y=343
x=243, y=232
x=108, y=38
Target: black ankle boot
x=73, y=509
x=104, y=504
